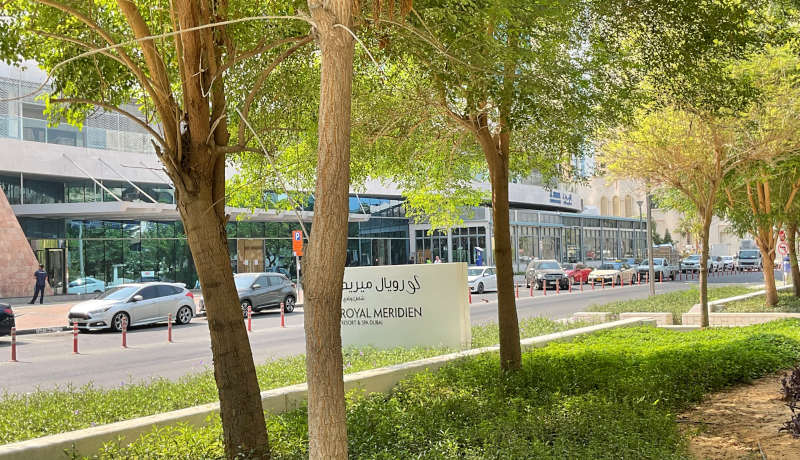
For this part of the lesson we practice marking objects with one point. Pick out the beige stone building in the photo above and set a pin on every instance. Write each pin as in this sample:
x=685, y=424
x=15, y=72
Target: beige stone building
x=625, y=198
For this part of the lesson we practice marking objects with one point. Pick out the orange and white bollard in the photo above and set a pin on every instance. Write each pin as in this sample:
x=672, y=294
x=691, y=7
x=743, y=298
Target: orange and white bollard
x=13, y=344
x=558, y=287
x=570, y=285
x=283, y=322
x=660, y=277
x=516, y=288
x=249, y=318
x=581, y=284
x=469, y=293
x=124, y=332
x=531, y=290
x=169, y=328
x=74, y=338
x=602, y=283
x=544, y=287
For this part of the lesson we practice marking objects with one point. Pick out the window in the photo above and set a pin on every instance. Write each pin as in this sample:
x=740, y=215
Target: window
x=150, y=292
x=277, y=280
x=262, y=281
x=603, y=206
x=166, y=290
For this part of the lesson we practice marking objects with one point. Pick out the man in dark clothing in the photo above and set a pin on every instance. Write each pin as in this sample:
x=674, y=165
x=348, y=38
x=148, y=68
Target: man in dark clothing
x=41, y=277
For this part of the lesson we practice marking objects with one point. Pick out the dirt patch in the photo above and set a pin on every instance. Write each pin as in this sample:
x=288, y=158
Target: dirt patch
x=741, y=423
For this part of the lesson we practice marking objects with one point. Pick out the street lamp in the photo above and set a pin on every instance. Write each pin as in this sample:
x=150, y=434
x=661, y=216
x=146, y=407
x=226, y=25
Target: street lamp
x=640, y=203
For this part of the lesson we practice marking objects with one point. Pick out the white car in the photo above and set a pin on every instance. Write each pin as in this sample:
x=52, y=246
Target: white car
x=86, y=285
x=481, y=279
x=137, y=304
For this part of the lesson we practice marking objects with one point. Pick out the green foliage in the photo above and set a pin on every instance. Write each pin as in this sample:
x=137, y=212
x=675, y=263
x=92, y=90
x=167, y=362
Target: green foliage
x=42, y=413
x=677, y=303
x=787, y=303
x=667, y=236
x=607, y=395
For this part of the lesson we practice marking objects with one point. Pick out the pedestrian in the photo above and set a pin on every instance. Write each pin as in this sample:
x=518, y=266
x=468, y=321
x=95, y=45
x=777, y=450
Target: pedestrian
x=437, y=260
x=41, y=277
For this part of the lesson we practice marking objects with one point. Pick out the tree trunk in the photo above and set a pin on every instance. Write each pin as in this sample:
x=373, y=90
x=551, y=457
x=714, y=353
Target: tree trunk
x=244, y=429
x=791, y=236
x=327, y=250
x=767, y=260
x=704, y=312
x=508, y=324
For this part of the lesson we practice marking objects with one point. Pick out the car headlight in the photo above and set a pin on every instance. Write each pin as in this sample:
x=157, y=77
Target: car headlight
x=99, y=310
x=539, y=275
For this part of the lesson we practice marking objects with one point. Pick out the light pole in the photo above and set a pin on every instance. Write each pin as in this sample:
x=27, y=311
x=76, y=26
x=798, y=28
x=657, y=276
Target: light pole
x=650, y=273
x=638, y=240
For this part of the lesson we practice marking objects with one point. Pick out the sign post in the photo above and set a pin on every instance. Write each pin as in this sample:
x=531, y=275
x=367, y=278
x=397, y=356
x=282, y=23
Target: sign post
x=297, y=248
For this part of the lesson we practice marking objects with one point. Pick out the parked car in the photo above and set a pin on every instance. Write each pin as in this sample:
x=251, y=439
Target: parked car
x=481, y=279
x=541, y=273
x=141, y=303
x=577, y=273
x=728, y=263
x=609, y=272
x=263, y=291
x=662, y=269
x=748, y=259
x=6, y=319
x=86, y=285
x=692, y=264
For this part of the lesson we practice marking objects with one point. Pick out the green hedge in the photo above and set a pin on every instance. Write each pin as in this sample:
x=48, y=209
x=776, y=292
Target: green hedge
x=677, y=303
x=41, y=413
x=787, y=303
x=609, y=395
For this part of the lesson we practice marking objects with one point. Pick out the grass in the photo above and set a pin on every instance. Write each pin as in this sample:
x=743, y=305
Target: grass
x=45, y=412
x=605, y=396
x=677, y=303
x=787, y=303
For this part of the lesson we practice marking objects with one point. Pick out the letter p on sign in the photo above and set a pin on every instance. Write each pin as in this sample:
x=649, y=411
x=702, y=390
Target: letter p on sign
x=297, y=242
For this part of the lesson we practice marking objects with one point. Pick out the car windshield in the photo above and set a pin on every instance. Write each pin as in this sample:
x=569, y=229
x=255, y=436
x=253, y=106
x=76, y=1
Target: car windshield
x=77, y=282
x=244, y=281
x=693, y=257
x=606, y=267
x=119, y=293
x=474, y=271
x=547, y=266
x=658, y=261
x=748, y=254
x=727, y=257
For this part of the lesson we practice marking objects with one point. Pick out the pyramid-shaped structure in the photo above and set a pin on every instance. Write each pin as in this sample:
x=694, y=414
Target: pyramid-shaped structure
x=17, y=261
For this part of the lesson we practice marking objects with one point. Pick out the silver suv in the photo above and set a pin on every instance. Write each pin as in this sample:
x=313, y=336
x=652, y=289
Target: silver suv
x=541, y=273
x=265, y=290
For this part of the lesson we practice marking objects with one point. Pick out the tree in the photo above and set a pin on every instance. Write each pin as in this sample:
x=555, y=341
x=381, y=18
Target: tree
x=686, y=150
x=760, y=193
x=175, y=59
x=667, y=237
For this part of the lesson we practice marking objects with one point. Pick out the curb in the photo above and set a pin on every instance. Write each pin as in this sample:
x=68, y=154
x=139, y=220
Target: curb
x=43, y=330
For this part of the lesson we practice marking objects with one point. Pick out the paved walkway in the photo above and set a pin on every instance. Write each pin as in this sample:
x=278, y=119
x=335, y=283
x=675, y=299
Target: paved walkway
x=41, y=316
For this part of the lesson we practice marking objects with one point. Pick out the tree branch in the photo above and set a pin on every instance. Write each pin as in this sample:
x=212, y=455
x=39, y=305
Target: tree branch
x=260, y=48
x=263, y=76
x=112, y=108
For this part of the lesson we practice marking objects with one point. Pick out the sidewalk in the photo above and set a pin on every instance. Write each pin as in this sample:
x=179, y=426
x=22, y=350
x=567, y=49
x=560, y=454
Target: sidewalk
x=37, y=318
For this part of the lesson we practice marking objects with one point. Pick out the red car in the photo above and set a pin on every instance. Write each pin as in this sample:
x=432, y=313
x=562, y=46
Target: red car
x=577, y=272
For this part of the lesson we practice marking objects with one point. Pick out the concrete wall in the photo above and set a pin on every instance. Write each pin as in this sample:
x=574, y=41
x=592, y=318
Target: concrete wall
x=17, y=261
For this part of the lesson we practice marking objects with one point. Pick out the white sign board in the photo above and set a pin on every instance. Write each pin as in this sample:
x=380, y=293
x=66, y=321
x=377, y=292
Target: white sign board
x=148, y=274
x=406, y=305
x=783, y=249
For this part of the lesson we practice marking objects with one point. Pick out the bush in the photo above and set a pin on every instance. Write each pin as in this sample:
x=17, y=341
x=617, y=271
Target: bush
x=608, y=395
x=42, y=413
x=677, y=303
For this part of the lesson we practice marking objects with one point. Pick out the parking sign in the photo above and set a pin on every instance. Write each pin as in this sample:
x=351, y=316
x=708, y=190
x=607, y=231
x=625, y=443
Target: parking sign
x=297, y=241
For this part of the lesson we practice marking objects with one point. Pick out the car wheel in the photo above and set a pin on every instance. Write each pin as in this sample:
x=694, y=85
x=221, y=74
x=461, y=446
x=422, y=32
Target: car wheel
x=480, y=288
x=672, y=276
x=116, y=321
x=288, y=304
x=246, y=303
x=184, y=315
x=537, y=285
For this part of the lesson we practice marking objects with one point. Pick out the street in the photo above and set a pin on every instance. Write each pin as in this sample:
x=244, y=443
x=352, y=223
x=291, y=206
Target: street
x=47, y=361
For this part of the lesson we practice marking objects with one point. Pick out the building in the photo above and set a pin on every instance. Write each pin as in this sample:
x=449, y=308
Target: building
x=625, y=198
x=94, y=202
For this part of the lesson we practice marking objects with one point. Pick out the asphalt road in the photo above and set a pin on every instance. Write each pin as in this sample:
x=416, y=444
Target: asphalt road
x=46, y=360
